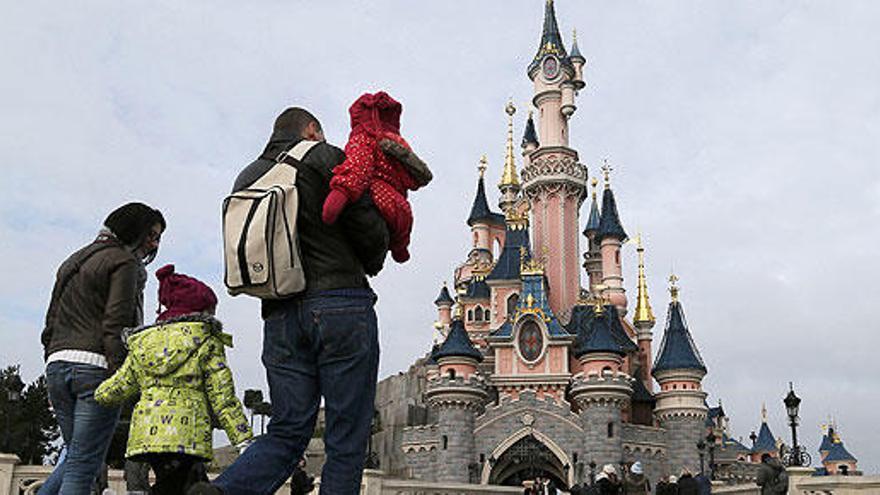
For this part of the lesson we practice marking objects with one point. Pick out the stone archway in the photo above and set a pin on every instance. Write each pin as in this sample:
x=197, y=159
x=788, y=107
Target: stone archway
x=523, y=456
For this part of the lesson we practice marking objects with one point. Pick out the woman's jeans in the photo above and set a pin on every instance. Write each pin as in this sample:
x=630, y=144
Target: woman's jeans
x=86, y=427
x=323, y=344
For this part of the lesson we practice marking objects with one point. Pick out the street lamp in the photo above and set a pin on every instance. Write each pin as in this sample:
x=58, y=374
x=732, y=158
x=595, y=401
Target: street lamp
x=792, y=404
x=13, y=395
x=710, y=440
x=701, y=448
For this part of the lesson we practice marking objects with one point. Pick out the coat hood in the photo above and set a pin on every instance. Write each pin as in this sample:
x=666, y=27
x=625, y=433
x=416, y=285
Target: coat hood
x=162, y=348
x=375, y=113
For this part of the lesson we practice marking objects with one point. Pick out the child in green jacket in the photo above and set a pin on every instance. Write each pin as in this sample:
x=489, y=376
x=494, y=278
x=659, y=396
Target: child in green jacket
x=179, y=367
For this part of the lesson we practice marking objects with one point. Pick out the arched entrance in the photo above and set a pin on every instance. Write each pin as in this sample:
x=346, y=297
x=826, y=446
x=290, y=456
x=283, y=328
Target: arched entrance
x=526, y=459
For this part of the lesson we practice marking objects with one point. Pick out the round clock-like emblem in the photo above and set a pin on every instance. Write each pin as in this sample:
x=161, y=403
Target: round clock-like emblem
x=531, y=341
x=550, y=66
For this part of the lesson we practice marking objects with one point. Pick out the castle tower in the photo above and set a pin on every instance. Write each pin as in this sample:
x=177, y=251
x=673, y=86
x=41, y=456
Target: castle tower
x=601, y=390
x=484, y=222
x=509, y=184
x=504, y=279
x=444, y=306
x=458, y=394
x=553, y=180
x=643, y=321
x=611, y=237
x=765, y=442
x=681, y=403
x=592, y=257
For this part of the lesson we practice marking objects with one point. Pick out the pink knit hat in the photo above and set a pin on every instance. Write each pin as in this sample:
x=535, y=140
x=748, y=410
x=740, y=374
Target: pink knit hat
x=180, y=294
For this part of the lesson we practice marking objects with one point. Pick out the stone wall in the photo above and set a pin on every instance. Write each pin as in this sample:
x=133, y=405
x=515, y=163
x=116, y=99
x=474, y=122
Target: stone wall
x=455, y=426
x=603, y=446
x=646, y=444
x=396, y=397
x=682, y=435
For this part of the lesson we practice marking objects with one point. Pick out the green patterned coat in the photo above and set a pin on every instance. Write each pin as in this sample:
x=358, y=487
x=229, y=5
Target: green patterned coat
x=179, y=368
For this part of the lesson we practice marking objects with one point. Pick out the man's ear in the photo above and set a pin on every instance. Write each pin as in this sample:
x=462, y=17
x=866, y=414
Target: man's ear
x=313, y=132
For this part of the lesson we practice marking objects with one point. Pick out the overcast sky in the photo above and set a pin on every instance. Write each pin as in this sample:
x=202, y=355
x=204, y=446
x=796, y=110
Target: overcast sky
x=744, y=137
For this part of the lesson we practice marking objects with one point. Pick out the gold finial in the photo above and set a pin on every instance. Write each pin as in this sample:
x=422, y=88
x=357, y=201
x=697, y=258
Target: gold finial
x=459, y=307
x=483, y=165
x=574, y=36
x=527, y=265
x=764, y=412
x=599, y=299
x=673, y=288
x=643, y=312
x=530, y=300
x=606, y=170
x=508, y=177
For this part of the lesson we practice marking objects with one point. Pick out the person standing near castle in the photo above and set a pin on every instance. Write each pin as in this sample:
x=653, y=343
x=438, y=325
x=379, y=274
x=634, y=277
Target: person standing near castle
x=98, y=292
x=323, y=342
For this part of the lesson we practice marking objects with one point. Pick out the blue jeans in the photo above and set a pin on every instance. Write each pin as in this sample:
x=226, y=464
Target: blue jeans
x=323, y=344
x=86, y=427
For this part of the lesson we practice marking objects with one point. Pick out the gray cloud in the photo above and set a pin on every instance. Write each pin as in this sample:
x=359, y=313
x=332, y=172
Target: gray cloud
x=743, y=135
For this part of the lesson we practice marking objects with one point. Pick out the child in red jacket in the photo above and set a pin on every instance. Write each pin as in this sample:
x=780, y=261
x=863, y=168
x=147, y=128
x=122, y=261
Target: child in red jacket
x=378, y=160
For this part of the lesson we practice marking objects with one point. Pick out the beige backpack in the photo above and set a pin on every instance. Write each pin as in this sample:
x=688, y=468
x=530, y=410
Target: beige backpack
x=261, y=251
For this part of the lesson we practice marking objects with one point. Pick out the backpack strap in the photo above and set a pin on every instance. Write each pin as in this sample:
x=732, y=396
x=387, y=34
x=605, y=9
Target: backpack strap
x=297, y=152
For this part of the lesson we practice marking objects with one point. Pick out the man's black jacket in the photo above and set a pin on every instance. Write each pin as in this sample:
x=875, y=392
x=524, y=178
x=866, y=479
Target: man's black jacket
x=337, y=256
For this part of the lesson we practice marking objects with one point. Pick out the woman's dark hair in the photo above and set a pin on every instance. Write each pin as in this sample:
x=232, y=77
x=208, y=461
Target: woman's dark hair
x=131, y=222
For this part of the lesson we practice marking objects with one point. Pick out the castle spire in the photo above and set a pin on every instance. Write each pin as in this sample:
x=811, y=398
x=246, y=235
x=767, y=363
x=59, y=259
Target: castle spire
x=530, y=135
x=551, y=39
x=643, y=313
x=509, y=184
x=509, y=176
x=480, y=212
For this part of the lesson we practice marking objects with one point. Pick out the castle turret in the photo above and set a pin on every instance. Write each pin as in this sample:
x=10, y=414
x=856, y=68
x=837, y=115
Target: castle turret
x=765, y=442
x=444, y=306
x=509, y=184
x=643, y=321
x=601, y=390
x=837, y=460
x=530, y=139
x=611, y=237
x=681, y=403
x=577, y=61
x=592, y=256
x=553, y=180
x=504, y=279
x=458, y=394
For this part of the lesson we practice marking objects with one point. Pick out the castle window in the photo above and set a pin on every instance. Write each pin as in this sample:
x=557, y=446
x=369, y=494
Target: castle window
x=451, y=374
x=470, y=315
x=486, y=315
x=482, y=458
x=617, y=257
x=512, y=303
x=478, y=314
x=674, y=387
x=610, y=430
x=445, y=442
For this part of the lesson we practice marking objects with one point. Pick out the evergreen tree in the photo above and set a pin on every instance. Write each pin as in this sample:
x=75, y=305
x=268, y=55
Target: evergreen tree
x=29, y=427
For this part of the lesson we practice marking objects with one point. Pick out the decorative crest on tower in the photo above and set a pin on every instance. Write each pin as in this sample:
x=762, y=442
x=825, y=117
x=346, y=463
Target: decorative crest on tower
x=673, y=288
x=484, y=164
x=606, y=171
x=530, y=265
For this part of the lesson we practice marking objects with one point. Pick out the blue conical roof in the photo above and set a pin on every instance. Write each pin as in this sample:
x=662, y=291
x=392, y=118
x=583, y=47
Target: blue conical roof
x=598, y=334
x=530, y=136
x=458, y=344
x=444, y=297
x=477, y=289
x=594, y=219
x=508, y=264
x=825, y=446
x=838, y=453
x=765, y=441
x=575, y=52
x=677, y=350
x=609, y=223
x=480, y=211
x=551, y=40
